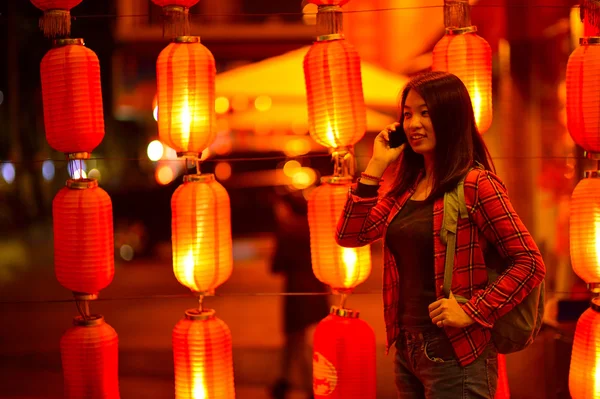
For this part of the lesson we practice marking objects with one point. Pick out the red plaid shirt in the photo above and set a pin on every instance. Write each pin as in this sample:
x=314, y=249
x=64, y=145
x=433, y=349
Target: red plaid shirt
x=492, y=219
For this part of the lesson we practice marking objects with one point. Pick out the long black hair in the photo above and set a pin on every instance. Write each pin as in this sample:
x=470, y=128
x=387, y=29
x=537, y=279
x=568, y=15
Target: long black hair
x=458, y=142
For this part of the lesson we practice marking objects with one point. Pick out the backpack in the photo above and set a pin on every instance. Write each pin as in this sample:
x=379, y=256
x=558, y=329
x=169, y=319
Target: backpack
x=515, y=330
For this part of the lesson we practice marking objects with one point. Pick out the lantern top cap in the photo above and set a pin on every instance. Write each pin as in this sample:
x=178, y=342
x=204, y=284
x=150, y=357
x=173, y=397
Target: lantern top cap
x=589, y=41
x=202, y=178
x=595, y=304
x=196, y=314
x=68, y=42
x=187, y=39
x=592, y=155
x=329, y=8
x=461, y=31
x=342, y=312
x=591, y=174
x=85, y=296
x=81, y=184
x=336, y=180
x=188, y=155
x=78, y=155
x=331, y=37
x=90, y=321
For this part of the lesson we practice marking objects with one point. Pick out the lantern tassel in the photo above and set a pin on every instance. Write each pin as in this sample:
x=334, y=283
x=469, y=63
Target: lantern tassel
x=176, y=21
x=457, y=13
x=343, y=299
x=85, y=312
x=330, y=20
x=589, y=11
x=56, y=23
x=343, y=162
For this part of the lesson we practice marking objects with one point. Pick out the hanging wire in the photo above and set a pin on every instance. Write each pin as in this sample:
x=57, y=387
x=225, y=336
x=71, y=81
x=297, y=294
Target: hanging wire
x=574, y=294
x=271, y=158
x=292, y=14
x=74, y=17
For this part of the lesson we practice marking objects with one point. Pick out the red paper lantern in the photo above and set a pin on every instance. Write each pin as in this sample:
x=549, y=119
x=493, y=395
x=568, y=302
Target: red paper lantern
x=584, y=374
x=201, y=233
x=89, y=353
x=465, y=54
x=583, y=94
x=336, y=105
x=185, y=72
x=83, y=237
x=344, y=357
x=503, y=391
x=203, y=357
x=339, y=267
x=585, y=230
x=72, y=96
x=57, y=16
x=329, y=2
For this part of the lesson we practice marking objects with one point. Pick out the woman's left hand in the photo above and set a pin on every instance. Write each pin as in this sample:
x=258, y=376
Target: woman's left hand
x=448, y=313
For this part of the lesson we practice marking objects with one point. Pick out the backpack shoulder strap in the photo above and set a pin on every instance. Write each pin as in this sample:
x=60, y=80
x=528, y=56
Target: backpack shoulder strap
x=454, y=208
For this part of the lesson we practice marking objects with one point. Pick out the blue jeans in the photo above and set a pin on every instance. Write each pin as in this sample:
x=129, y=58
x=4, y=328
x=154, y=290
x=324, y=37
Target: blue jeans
x=426, y=368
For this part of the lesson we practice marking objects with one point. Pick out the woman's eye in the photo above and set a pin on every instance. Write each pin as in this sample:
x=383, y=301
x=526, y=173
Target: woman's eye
x=425, y=113
x=406, y=115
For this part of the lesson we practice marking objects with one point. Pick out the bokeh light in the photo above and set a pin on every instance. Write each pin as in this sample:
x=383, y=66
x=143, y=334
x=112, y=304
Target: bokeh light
x=48, y=170
x=155, y=150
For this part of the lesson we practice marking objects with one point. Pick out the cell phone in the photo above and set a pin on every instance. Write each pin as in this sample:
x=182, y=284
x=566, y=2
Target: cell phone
x=397, y=137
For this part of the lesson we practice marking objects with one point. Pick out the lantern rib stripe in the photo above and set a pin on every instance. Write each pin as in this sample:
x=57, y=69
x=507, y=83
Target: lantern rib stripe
x=349, y=72
x=580, y=79
x=91, y=89
x=336, y=261
x=216, y=244
x=195, y=244
x=170, y=94
x=330, y=105
x=192, y=101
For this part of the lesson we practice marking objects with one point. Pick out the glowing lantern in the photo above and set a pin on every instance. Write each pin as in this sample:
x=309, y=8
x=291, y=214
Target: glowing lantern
x=185, y=72
x=176, y=16
x=583, y=94
x=73, y=116
x=502, y=391
x=336, y=106
x=341, y=268
x=83, y=237
x=344, y=357
x=57, y=16
x=465, y=54
x=89, y=353
x=203, y=357
x=584, y=374
x=585, y=230
x=201, y=233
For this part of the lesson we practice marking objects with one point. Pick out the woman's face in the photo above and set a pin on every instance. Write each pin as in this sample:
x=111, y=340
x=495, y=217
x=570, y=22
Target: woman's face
x=417, y=124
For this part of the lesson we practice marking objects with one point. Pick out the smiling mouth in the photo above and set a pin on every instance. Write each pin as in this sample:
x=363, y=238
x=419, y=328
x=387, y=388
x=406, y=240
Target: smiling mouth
x=417, y=136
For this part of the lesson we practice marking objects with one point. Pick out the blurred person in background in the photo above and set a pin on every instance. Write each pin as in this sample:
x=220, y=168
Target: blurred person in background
x=292, y=259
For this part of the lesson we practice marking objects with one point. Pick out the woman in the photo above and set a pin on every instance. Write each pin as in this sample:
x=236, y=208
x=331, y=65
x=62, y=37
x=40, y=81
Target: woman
x=443, y=348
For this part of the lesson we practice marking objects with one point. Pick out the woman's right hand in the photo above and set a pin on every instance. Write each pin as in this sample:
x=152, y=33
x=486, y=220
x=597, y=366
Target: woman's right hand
x=383, y=154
